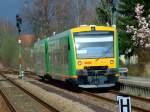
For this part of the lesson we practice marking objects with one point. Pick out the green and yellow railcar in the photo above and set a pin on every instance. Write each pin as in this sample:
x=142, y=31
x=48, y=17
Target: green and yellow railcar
x=41, y=59
x=86, y=56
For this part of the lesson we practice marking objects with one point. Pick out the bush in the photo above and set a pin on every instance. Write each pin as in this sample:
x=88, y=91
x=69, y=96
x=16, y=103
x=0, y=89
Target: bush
x=9, y=52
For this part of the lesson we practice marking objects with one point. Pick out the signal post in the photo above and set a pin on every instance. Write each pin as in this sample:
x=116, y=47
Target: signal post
x=18, y=25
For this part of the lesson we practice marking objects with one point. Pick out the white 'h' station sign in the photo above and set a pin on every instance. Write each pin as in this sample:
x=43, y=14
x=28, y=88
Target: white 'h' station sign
x=124, y=103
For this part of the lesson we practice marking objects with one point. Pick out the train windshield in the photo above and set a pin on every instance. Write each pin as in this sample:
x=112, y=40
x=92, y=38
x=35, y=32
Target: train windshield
x=94, y=44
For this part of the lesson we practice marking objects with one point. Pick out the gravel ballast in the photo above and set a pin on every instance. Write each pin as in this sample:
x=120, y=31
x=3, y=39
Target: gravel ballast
x=60, y=103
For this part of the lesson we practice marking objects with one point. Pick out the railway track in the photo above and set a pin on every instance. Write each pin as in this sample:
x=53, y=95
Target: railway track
x=135, y=107
x=13, y=109
x=147, y=100
x=9, y=105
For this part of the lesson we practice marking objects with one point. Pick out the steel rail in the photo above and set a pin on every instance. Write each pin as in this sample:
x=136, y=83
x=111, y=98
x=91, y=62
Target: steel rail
x=33, y=96
x=10, y=106
x=104, y=98
x=138, y=109
x=115, y=102
x=132, y=96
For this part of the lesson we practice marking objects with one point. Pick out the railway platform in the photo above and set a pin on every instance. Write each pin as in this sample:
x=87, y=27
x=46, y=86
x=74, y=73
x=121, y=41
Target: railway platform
x=141, y=81
x=138, y=86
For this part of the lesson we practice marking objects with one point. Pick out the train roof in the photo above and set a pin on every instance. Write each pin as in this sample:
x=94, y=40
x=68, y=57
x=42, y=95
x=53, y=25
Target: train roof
x=88, y=27
x=76, y=29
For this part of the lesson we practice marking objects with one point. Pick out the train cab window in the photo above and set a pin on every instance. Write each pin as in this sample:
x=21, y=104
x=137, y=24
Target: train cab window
x=98, y=44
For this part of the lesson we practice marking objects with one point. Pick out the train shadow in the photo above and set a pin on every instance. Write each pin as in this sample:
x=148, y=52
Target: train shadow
x=74, y=88
x=97, y=90
x=62, y=85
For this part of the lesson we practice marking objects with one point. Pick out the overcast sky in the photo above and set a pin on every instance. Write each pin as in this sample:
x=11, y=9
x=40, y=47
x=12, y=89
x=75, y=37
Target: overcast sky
x=9, y=9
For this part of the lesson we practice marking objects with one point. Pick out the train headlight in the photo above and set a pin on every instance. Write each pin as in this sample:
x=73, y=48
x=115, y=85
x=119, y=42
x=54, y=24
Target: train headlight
x=117, y=75
x=111, y=61
x=79, y=62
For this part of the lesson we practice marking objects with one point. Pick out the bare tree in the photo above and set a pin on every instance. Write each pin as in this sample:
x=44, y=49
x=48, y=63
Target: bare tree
x=104, y=12
x=6, y=28
x=38, y=15
x=61, y=15
x=46, y=16
x=87, y=11
x=8, y=44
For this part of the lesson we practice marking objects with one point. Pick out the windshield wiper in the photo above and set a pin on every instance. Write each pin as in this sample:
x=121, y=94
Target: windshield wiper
x=106, y=52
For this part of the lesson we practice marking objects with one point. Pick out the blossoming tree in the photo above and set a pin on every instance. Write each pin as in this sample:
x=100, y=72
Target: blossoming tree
x=141, y=33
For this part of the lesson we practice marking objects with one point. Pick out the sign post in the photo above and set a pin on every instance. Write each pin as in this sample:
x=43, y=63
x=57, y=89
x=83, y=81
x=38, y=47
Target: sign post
x=124, y=103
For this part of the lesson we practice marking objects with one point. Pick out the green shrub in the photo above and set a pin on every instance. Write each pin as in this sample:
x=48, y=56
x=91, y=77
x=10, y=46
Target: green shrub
x=9, y=51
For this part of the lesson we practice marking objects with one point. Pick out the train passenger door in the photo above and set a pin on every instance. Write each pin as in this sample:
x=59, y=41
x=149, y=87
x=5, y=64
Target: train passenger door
x=47, y=67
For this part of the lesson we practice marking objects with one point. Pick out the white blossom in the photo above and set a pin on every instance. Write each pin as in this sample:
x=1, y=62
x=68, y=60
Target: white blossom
x=141, y=34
